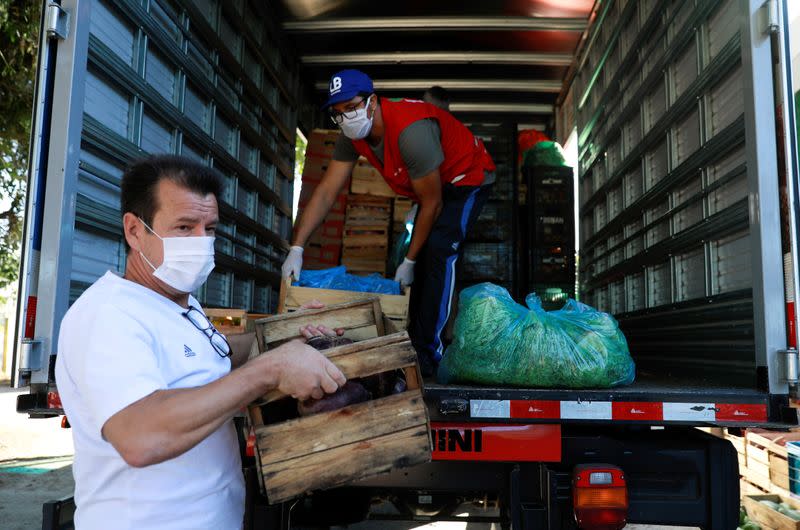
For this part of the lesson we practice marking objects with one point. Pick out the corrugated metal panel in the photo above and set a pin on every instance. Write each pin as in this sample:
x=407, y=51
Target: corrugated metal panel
x=115, y=32
x=690, y=275
x=726, y=101
x=107, y=103
x=659, y=285
x=731, y=263
x=157, y=136
x=684, y=71
x=684, y=188
x=655, y=164
x=634, y=292
x=633, y=186
x=722, y=26
x=686, y=137
x=688, y=209
x=179, y=77
x=160, y=74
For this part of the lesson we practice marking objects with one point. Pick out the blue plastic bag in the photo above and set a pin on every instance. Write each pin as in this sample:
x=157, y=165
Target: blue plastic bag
x=499, y=342
x=337, y=278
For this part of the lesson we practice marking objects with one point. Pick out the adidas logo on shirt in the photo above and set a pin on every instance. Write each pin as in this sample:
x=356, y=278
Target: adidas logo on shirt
x=187, y=351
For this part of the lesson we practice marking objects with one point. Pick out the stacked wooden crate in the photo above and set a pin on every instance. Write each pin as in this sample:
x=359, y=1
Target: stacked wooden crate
x=763, y=460
x=366, y=180
x=323, y=249
x=400, y=209
x=768, y=461
x=366, y=234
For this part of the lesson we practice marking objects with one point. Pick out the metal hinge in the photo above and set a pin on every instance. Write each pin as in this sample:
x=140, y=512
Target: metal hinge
x=31, y=355
x=56, y=22
x=790, y=369
x=770, y=18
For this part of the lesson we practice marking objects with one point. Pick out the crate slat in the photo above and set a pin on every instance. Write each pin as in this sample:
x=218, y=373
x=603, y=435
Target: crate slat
x=350, y=316
x=293, y=297
x=766, y=516
x=356, y=423
x=289, y=478
x=367, y=357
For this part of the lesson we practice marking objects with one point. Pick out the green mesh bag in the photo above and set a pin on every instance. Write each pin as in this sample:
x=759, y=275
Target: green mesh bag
x=544, y=154
x=499, y=342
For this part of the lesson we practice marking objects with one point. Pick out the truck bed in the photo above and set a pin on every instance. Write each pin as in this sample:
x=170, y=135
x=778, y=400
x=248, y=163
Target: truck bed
x=654, y=398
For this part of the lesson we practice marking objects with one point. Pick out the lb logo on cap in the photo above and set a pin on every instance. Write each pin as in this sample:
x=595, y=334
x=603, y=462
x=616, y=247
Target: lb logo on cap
x=336, y=85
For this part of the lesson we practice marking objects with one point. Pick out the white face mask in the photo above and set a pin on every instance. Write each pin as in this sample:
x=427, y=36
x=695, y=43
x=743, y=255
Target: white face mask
x=187, y=261
x=358, y=127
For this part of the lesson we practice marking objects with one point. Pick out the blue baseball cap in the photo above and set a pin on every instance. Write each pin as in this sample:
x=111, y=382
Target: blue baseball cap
x=346, y=85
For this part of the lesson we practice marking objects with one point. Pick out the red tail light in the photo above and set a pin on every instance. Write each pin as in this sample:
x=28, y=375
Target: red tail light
x=250, y=448
x=599, y=497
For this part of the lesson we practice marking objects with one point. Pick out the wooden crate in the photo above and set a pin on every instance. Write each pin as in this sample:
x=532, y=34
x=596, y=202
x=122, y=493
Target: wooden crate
x=364, y=266
x=766, y=516
x=231, y=321
x=322, y=142
x=334, y=448
x=402, y=205
x=361, y=319
x=366, y=236
x=746, y=488
x=366, y=210
x=767, y=455
x=367, y=180
x=394, y=307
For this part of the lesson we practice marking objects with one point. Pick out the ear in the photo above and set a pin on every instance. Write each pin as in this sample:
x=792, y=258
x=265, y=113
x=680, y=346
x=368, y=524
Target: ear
x=134, y=230
x=373, y=104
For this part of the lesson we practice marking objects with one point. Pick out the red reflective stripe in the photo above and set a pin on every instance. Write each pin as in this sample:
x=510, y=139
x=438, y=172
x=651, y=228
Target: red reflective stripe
x=54, y=401
x=494, y=442
x=30, y=317
x=637, y=411
x=743, y=413
x=544, y=410
x=791, y=332
x=642, y=411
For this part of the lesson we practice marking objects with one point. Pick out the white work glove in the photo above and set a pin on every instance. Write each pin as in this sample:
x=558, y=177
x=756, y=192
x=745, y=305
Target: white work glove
x=405, y=272
x=293, y=263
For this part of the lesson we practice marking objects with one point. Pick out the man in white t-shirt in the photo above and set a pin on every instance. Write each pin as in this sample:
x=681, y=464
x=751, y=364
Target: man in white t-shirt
x=146, y=380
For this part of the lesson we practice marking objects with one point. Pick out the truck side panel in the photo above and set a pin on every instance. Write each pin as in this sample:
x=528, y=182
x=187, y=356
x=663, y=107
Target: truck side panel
x=679, y=214
x=205, y=81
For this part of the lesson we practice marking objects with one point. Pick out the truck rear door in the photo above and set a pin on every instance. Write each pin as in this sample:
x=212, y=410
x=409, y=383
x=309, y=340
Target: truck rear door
x=118, y=80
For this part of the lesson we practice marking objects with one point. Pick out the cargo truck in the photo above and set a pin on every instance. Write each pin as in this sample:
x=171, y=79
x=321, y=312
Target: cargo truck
x=687, y=219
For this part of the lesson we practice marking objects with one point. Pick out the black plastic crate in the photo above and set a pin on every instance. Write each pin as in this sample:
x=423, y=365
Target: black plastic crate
x=549, y=265
x=487, y=261
x=493, y=224
x=553, y=295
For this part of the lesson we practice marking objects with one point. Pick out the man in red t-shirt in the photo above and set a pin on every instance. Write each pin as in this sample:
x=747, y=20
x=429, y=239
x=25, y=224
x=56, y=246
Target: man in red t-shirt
x=423, y=153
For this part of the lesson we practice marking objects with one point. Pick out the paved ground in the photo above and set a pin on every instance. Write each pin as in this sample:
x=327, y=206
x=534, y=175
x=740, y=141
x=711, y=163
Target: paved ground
x=35, y=464
x=35, y=467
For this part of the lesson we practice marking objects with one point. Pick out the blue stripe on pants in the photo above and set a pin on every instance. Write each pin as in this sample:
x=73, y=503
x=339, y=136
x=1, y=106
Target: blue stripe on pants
x=445, y=304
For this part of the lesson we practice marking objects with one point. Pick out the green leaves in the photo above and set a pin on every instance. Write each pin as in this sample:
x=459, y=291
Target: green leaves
x=19, y=39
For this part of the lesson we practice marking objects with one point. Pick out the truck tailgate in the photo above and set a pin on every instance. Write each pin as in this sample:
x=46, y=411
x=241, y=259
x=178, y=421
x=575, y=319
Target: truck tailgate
x=656, y=399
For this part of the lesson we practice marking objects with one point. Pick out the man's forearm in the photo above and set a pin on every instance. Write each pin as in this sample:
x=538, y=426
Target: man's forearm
x=428, y=213
x=168, y=423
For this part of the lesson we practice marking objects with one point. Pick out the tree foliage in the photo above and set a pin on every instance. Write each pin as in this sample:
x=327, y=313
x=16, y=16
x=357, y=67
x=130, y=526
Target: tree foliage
x=19, y=29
